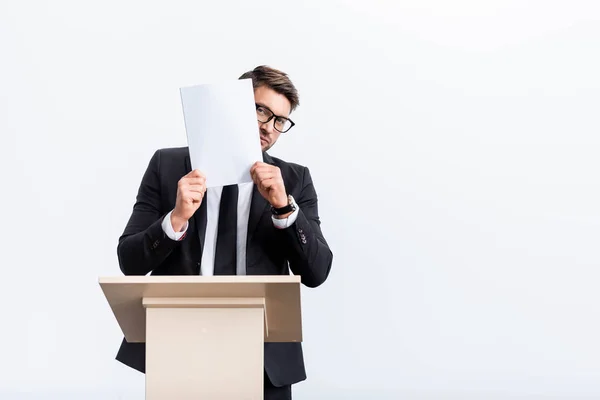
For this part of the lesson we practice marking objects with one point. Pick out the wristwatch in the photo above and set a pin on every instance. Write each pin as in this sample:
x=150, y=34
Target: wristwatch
x=291, y=207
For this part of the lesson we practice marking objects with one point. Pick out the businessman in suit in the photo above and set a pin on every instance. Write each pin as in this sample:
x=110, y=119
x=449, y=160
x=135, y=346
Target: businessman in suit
x=267, y=227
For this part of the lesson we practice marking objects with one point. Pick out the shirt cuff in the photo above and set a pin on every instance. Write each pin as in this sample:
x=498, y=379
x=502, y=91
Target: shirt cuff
x=285, y=222
x=169, y=231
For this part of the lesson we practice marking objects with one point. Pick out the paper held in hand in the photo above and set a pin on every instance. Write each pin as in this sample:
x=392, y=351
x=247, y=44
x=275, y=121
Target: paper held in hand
x=222, y=130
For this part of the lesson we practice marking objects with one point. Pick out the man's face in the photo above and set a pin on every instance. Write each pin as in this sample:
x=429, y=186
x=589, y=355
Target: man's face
x=270, y=101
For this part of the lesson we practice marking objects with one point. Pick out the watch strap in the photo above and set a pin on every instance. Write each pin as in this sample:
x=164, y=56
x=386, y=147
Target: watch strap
x=290, y=207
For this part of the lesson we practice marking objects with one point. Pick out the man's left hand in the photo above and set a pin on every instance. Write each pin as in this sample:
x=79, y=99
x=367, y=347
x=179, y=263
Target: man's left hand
x=269, y=182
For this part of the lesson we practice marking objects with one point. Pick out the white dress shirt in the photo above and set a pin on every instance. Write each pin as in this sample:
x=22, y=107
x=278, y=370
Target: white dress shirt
x=213, y=201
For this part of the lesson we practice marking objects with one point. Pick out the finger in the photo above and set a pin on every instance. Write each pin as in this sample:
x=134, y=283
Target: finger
x=255, y=166
x=196, y=188
x=260, y=164
x=268, y=169
x=186, y=181
x=264, y=166
x=194, y=196
x=255, y=178
x=268, y=183
x=196, y=173
x=267, y=175
x=193, y=181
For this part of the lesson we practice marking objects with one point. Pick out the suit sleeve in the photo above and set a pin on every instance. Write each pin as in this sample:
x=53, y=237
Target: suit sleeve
x=307, y=250
x=144, y=244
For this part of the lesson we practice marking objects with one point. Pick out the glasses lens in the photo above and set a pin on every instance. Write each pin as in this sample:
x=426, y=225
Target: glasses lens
x=263, y=114
x=282, y=124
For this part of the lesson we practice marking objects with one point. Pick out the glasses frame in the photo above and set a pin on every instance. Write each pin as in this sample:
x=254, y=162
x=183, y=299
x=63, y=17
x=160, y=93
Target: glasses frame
x=273, y=115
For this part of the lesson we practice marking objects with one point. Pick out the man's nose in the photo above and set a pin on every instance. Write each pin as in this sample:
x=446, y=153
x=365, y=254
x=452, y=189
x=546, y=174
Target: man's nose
x=267, y=127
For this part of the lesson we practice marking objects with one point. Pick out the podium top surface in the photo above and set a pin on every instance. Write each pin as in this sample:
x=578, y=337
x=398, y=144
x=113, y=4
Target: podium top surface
x=197, y=279
x=281, y=294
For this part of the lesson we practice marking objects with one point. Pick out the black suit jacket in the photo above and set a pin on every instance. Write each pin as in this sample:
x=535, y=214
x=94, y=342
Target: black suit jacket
x=144, y=247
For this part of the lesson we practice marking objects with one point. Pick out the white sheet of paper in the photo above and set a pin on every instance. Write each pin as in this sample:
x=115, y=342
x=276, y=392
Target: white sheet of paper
x=222, y=130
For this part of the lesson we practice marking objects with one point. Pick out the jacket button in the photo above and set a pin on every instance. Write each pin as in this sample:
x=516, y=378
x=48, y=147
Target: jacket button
x=303, y=238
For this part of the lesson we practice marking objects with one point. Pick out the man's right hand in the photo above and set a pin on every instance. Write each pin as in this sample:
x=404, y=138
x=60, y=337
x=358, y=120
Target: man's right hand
x=190, y=192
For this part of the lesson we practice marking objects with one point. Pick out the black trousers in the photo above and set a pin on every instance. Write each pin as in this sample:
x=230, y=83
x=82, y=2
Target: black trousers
x=277, y=393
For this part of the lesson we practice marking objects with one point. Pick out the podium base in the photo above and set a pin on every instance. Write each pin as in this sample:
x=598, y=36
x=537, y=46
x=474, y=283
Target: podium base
x=204, y=348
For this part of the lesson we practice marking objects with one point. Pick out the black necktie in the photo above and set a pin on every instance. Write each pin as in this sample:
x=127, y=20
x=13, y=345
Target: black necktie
x=225, y=253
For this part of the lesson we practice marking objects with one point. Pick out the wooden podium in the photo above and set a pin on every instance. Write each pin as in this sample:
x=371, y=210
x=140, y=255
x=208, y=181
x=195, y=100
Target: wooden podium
x=205, y=335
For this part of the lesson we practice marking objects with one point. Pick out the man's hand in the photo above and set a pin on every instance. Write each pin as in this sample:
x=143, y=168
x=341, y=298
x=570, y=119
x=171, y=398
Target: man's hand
x=190, y=192
x=270, y=183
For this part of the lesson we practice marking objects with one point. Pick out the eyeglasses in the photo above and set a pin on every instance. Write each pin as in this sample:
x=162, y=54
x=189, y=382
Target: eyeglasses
x=264, y=115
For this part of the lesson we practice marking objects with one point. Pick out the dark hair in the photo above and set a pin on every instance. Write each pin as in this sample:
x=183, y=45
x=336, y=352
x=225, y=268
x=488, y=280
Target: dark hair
x=275, y=80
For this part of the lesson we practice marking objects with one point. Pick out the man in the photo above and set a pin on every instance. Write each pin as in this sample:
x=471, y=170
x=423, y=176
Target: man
x=179, y=228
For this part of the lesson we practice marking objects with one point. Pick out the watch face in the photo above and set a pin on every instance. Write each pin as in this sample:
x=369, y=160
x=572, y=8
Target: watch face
x=292, y=202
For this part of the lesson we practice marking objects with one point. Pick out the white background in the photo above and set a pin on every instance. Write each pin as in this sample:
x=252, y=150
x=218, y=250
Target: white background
x=454, y=146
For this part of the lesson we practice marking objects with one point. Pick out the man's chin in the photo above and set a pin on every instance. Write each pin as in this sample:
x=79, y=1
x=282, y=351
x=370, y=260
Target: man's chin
x=265, y=146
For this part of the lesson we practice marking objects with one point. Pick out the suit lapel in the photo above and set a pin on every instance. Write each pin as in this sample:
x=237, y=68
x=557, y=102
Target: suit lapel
x=258, y=205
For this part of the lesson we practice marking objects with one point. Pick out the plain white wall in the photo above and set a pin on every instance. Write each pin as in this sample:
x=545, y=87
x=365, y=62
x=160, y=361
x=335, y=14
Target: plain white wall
x=454, y=147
